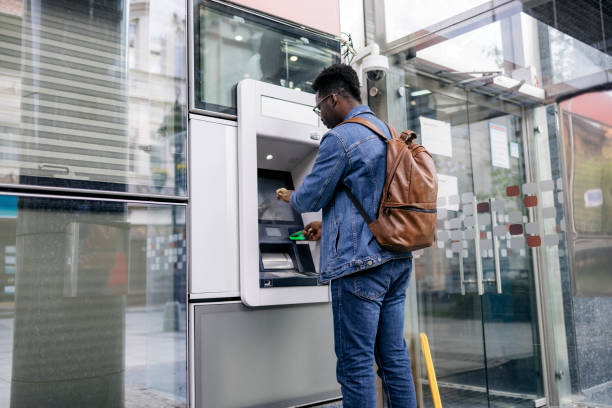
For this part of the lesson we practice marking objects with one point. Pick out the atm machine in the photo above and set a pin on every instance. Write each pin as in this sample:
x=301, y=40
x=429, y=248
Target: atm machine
x=278, y=139
x=258, y=314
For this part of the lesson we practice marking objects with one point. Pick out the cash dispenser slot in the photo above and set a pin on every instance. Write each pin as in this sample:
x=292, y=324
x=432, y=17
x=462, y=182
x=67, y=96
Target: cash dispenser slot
x=272, y=261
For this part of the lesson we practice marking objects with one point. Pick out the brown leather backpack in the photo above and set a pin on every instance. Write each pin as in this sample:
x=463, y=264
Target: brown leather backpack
x=406, y=217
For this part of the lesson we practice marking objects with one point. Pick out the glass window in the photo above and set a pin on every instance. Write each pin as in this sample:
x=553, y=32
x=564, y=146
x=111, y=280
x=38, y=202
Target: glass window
x=499, y=72
x=91, y=101
x=231, y=45
x=516, y=55
x=481, y=51
x=92, y=303
x=403, y=17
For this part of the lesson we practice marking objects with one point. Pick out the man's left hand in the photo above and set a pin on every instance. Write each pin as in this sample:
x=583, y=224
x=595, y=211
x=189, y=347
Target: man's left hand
x=283, y=194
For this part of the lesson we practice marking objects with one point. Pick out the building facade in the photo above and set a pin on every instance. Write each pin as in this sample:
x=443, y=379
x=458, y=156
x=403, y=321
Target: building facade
x=119, y=199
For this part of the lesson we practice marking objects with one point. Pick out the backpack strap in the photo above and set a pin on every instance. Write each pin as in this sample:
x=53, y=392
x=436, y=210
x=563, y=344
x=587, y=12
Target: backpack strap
x=416, y=149
x=373, y=128
x=361, y=210
x=370, y=126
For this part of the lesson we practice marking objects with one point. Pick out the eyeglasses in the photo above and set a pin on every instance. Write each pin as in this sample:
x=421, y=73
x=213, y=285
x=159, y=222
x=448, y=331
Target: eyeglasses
x=317, y=108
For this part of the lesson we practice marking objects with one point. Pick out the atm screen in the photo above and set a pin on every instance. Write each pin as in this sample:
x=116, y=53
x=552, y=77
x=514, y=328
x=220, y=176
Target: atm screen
x=269, y=208
x=283, y=262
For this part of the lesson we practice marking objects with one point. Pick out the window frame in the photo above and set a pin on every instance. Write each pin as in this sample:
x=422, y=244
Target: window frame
x=316, y=37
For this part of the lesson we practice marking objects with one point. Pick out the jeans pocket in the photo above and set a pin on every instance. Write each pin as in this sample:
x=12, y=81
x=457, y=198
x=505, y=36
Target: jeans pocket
x=371, y=284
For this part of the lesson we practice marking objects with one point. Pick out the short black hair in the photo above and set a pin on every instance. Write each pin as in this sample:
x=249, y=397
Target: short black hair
x=340, y=79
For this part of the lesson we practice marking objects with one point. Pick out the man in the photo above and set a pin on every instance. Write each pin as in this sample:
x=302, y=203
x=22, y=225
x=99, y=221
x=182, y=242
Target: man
x=368, y=283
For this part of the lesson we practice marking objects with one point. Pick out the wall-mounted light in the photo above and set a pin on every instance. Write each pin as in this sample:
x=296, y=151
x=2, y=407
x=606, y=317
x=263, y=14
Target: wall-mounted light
x=238, y=38
x=269, y=157
x=293, y=58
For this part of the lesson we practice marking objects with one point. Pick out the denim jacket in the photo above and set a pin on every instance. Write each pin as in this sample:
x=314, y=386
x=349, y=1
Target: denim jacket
x=353, y=155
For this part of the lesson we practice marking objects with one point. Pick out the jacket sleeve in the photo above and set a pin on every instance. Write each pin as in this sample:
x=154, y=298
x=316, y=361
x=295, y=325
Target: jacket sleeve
x=329, y=168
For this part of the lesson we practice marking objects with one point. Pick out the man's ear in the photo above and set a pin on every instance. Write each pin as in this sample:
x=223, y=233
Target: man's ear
x=334, y=98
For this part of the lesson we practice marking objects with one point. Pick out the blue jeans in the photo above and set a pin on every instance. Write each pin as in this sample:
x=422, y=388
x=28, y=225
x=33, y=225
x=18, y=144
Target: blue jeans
x=368, y=312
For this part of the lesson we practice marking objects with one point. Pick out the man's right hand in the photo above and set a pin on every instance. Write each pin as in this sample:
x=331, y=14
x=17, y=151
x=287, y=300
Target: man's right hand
x=312, y=231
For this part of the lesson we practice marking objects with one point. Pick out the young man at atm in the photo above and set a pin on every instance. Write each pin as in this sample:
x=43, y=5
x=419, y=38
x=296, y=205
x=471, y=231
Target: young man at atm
x=368, y=283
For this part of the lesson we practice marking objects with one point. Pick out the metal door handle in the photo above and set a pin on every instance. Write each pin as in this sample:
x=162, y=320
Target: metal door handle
x=461, y=277
x=495, y=247
x=477, y=250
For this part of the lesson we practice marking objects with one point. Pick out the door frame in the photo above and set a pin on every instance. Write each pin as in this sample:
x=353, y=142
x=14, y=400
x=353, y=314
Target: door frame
x=545, y=329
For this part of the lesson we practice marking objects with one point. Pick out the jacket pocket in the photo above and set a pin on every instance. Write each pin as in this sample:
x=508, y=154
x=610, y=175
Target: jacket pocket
x=334, y=241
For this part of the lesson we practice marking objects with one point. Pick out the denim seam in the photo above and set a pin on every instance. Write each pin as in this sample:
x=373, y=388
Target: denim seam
x=368, y=163
x=339, y=137
x=360, y=141
x=354, y=231
x=392, y=266
x=383, y=377
x=381, y=365
x=350, y=159
x=314, y=204
x=340, y=321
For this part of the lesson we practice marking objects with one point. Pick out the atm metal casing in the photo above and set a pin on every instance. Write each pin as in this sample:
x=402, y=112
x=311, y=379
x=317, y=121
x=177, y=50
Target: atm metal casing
x=277, y=122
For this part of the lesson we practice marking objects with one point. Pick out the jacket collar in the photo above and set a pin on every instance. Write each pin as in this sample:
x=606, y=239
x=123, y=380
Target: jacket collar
x=357, y=110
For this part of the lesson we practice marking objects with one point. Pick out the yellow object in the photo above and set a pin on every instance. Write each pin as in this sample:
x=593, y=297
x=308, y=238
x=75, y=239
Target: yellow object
x=431, y=373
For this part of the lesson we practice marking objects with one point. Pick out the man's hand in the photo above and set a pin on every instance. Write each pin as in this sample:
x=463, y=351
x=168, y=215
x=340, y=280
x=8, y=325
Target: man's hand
x=312, y=231
x=283, y=194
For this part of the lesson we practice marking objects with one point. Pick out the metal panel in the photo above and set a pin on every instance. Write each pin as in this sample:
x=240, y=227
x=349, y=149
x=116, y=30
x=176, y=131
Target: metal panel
x=214, y=209
x=264, y=357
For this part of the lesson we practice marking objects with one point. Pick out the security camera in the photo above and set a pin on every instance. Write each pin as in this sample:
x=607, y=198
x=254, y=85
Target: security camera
x=375, y=67
x=369, y=60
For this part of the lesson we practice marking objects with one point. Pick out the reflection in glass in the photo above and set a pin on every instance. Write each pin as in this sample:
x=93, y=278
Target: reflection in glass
x=271, y=209
x=93, y=303
x=90, y=101
x=232, y=45
x=484, y=346
x=451, y=320
x=512, y=345
x=557, y=48
x=587, y=128
x=481, y=51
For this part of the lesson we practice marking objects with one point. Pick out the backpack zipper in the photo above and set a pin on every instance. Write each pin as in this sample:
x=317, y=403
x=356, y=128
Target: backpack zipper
x=412, y=208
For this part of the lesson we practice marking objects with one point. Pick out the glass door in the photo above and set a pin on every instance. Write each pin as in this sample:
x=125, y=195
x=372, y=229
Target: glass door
x=475, y=291
x=503, y=199
x=449, y=307
x=478, y=78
